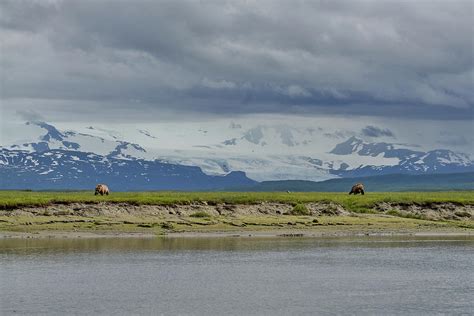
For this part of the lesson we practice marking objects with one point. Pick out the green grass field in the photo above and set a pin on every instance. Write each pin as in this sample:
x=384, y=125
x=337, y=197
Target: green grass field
x=18, y=199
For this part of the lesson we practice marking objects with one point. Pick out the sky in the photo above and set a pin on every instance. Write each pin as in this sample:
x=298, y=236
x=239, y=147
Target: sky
x=136, y=62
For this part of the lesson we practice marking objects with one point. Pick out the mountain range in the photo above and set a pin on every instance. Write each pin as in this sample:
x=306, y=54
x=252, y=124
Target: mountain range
x=47, y=157
x=58, y=169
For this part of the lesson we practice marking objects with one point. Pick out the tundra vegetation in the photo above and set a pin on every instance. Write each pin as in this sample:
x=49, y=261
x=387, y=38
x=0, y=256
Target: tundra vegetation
x=166, y=212
x=16, y=199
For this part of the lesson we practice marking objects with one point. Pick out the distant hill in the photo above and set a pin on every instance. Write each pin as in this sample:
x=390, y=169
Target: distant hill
x=392, y=182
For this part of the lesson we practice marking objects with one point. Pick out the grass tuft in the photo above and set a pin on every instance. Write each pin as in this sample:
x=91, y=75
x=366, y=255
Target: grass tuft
x=167, y=225
x=299, y=209
x=405, y=215
x=200, y=214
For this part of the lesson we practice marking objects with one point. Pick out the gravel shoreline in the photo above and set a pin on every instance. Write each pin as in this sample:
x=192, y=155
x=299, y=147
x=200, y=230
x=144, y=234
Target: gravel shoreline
x=231, y=234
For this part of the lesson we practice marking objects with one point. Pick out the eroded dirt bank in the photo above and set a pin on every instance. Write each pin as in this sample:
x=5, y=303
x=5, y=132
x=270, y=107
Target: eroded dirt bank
x=273, y=219
x=429, y=211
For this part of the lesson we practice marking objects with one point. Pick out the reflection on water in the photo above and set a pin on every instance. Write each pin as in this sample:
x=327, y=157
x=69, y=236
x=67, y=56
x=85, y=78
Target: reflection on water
x=47, y=245
x=381, y=275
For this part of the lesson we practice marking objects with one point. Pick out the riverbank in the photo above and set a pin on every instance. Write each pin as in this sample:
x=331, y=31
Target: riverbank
x=37, y=214
x=203, y=218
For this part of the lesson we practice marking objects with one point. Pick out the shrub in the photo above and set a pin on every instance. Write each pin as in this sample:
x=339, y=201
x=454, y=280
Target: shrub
x=299, y=209
x=394, y=213
x=167, y=225
x=200, y=214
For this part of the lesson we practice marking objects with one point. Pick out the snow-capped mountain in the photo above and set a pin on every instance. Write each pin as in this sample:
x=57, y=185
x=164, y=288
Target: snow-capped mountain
x=410, y=161
x=51, y=138
x=45, y=155
x=64, y=169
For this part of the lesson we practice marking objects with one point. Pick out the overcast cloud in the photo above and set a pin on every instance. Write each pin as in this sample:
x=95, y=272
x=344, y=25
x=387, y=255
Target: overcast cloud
x=374, y=131
x=131, y=59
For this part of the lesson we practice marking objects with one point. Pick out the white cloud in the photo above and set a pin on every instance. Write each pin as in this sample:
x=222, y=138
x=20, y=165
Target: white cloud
x=218, y=84
x=297, y=91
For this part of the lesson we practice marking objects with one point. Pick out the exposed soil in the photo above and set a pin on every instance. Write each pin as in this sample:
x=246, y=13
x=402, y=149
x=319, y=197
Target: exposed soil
x=431, y=211
x=273, y=219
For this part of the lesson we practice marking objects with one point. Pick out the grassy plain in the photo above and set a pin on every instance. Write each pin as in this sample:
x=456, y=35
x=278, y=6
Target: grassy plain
x=18, y=199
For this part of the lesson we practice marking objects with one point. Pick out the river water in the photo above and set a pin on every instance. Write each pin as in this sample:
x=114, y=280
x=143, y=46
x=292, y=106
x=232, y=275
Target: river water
x=234, y=275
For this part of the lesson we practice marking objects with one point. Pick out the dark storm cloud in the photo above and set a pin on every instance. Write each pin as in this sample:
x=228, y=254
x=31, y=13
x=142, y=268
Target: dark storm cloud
x=30, y=115
x=383, y=58
x=373, y=131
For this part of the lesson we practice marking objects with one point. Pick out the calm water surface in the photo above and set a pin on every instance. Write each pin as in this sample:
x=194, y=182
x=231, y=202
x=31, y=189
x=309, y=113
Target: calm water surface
x=244, y=276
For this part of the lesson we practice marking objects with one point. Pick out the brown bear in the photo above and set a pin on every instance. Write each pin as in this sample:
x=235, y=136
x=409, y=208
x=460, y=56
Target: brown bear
x=357, y=188
x=102, y=189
